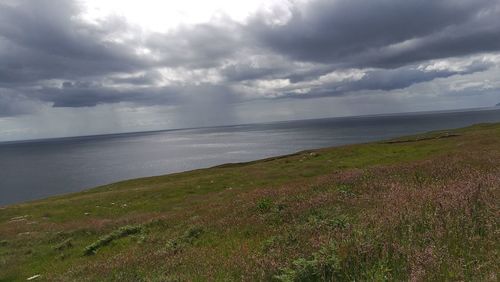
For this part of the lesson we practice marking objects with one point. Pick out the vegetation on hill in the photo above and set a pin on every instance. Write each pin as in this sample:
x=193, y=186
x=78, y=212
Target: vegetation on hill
x=416, y=208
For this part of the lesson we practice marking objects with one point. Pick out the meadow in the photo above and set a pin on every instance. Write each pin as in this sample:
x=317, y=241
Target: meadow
x=418, y=208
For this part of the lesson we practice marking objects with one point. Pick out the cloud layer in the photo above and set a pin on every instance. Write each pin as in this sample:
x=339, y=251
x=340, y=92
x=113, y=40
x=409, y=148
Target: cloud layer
x=51, y=57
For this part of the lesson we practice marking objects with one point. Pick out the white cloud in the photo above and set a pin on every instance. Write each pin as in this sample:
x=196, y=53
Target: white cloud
x=161, y=16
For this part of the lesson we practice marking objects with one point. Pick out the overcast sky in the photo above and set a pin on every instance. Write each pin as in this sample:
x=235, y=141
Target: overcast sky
x=89, y=67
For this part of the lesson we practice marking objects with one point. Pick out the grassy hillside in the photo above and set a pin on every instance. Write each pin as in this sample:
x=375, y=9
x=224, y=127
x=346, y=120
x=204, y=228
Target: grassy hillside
x=416, y=208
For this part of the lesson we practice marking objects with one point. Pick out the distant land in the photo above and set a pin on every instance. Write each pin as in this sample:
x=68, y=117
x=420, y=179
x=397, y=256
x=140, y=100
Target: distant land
x=421, y=207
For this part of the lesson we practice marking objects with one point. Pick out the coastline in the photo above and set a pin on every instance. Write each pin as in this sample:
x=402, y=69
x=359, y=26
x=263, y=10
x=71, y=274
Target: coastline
x=261, y=219
x=34, y=170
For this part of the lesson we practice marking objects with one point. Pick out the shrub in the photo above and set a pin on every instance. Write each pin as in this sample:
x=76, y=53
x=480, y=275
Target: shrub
x=346, y=190
x=192, y=234
x=105, y=240
x=66, y=244
x=269, y=244
x=287, y=239
x=187, y=238
x=324, y=266
x=265, y=205
x=339, y=222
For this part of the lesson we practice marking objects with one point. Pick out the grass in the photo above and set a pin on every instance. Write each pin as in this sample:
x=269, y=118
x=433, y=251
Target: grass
x=417, y=208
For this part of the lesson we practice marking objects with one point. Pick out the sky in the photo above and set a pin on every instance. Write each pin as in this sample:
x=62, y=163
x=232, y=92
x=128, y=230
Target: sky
x=71, y=67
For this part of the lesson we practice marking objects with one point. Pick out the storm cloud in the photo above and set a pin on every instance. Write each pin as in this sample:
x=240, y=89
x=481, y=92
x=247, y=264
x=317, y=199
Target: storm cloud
x=383, y=33
x=51, y=56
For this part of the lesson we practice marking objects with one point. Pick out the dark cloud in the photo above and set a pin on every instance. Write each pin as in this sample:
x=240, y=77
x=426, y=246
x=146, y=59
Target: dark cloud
x=387, y=80
x=45, y=39
x=198, y=46
x=452, y=42
x=13, y=103
x=82, y=94
x=88, y=94
x=404, y=77
x=366, y=33
x=242, y=72
x=49, y=55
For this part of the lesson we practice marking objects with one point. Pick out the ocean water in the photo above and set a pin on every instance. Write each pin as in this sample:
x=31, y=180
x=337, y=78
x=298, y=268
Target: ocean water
x=36, y=169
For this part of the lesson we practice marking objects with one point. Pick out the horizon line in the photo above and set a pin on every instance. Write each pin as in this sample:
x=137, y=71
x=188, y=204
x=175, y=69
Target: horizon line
x=48, y=139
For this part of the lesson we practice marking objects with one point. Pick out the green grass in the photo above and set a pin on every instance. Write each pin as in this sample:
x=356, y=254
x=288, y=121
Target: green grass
x=421, y=207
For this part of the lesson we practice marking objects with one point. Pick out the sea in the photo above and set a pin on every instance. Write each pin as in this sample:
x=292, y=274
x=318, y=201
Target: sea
x=37, y=169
